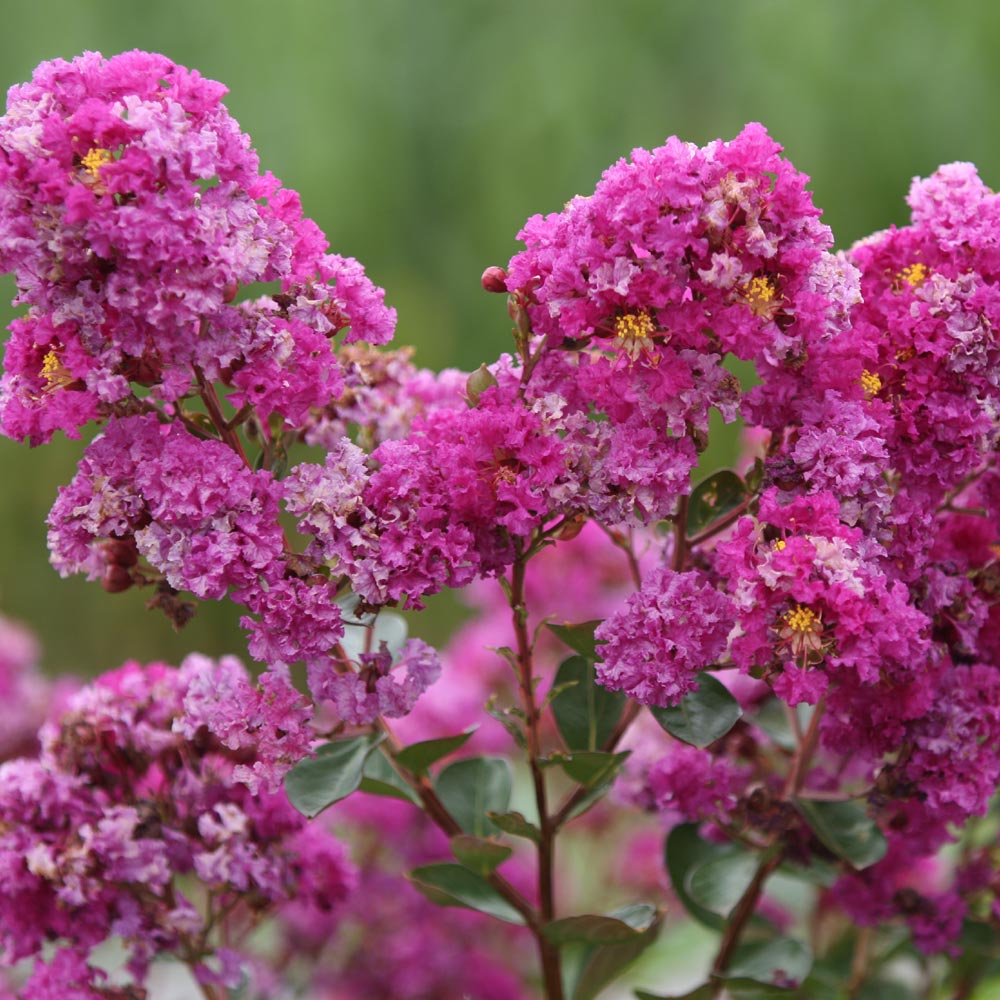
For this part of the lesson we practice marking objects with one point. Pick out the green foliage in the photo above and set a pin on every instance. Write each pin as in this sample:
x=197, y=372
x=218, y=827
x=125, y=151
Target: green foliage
x=380, y=778
x=586, y=713
x=703, y=715
x=471, y=788
x=596, y=950
x=417, y=757
x=455, y=885
x=846, y=829
x=713, y=498
x=479, y=854
x=335, y=772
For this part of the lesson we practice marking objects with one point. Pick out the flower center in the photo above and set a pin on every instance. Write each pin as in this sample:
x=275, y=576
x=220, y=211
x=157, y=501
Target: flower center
x=801, y=619
x=634, y=333
x=55, y=373
x=94, y=160
x=871, y=383
x=914, y=274
x=761, y=295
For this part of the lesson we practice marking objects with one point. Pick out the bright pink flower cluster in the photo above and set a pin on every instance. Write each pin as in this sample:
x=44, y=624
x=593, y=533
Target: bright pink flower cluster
x=131, y=213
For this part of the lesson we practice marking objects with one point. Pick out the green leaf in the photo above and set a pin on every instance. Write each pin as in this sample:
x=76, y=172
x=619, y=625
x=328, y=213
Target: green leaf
x=516, y=825
x=471, y=788
x=478, y=854
x=586, y=713
x=772, y=719
x=703, y=992
x=783, y=962
x=845, y=829
x=713, y=498
x=380, y=778
x=511, y=719
x=598, y=965
x=685, y=850
x=703, y=715
x=589, y=769
x=335, y=772
x=590, y=928
x=579, y=638
x=417, y=757
x=818, y=871
x=453, y=885
x=718, y=884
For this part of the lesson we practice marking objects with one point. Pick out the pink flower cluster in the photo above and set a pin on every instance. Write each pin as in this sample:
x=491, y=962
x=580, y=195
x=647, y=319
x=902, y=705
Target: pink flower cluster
x=152, y=777
x=131, y=213
x=852, y=577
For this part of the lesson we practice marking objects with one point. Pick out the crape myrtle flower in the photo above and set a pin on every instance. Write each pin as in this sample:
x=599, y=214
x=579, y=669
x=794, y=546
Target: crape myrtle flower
x=905, y=885
x=383, y=684
x=816, y=603
x=145, y=783
x=190, y=506
x=674, y=627
x=713, y=242
x=132, y=211
x=383, y=393
x=931, y=301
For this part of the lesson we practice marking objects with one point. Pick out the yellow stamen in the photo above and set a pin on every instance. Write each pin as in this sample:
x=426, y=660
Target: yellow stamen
x=634, y=332
x=94, y=160
x=55, y=373
x=779, y=544
x=914, y=274
x=801, y=619
x=761, y=296
x=871, y=383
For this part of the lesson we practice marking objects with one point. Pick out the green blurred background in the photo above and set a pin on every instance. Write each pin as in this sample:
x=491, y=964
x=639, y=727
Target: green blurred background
x=421, y=134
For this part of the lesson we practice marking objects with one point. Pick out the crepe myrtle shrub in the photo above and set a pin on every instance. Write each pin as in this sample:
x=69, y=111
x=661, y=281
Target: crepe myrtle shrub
x=763, y=700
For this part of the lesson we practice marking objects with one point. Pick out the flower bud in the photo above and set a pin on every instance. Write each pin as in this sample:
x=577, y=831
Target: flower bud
x=478, y=382
x=115, y=578
x=494, y=279
x=120, y=552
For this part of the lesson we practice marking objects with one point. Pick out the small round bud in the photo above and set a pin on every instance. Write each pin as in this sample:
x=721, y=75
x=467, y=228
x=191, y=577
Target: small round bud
x=115, y=579
x=229, y=292
x=478, y=382
x=494, y=279
x=120, y=552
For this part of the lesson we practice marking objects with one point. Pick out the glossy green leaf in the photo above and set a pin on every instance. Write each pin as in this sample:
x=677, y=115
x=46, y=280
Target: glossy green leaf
x=516, y=825
x=479, y=854
x=380, y=778
x=845, y=829
x=335, y=772
x=782, y=961
x=586, y=713
x=589, y=769
x=590, y=928
x=454, y=885
x=417, y=757
x=579, y=638
x=685, y=850
x=600, y=964
x=713, y=498
x=471, y=788
x=718, y=884
x=703, y=715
